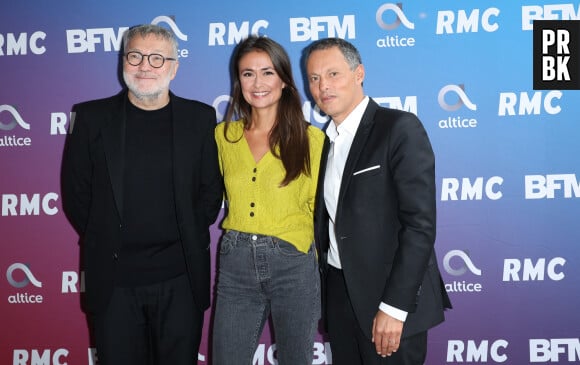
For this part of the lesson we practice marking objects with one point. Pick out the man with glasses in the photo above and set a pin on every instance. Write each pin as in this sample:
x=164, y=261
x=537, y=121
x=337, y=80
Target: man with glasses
x=141, y=185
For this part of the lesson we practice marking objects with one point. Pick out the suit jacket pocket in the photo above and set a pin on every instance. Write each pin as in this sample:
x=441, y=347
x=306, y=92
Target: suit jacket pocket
x=371, y=170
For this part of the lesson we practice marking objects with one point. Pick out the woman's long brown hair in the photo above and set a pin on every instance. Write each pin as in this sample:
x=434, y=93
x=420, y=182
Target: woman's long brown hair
x=289, y=131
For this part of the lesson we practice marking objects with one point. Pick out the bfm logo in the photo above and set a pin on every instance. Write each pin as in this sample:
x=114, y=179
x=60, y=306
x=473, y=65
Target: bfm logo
x=409, y=103
x=22, y=298
x=311, y=29
x=545, y=187
x=466, y=264
x=548, y=12
x=400, y=18
x=456, y=121
x=544, y=350
x=9, y=119
x=85, y=40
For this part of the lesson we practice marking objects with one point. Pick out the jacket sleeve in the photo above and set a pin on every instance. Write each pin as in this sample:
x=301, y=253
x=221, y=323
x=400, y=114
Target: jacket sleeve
x=211, y=188
x=412, y=164
x=76, y=173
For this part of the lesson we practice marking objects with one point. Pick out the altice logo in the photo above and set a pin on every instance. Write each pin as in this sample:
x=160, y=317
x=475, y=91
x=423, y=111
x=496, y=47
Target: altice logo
x=457, y=121
x=29, y=277
x=401, y=18
x=463, y=99
x=394, y=40
x=16, y=119
x=23, y=298
x=172, y=25
x=461, y=286
x=467, y=263
x=170, y=21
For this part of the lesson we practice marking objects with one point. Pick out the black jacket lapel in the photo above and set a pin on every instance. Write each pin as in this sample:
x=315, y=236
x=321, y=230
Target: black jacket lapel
x=114, y=144
x=356, y=148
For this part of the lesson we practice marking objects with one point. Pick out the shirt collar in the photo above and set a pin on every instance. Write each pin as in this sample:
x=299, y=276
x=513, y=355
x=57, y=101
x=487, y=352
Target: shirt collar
x=350, y=124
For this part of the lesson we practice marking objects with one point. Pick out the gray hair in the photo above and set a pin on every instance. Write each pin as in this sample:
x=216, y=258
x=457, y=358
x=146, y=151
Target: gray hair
x=348, y=50
x=144, y=30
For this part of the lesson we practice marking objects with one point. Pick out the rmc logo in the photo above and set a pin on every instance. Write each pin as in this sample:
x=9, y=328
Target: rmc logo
x=464, y=23
x=12, y=44
x=219, y=34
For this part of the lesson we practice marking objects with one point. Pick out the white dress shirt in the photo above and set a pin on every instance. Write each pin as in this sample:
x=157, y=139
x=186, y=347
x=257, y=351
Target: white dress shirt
x=341, y=138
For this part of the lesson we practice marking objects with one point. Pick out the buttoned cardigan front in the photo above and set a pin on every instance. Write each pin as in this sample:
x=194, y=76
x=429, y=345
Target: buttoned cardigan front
x=256, y=203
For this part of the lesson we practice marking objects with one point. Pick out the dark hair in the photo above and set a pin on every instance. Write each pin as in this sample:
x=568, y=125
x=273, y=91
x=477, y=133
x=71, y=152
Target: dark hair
x=348, y=50
x=289, y=132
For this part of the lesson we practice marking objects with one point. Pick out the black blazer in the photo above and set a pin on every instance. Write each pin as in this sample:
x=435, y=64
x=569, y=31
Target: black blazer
x=385, y=221
x=92, y=189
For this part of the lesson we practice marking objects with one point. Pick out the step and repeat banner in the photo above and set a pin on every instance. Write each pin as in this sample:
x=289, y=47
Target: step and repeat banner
x=508, y=165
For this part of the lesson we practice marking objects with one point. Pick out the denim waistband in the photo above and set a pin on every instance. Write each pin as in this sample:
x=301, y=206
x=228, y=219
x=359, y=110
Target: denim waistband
x=258, y=240
x=253, y=239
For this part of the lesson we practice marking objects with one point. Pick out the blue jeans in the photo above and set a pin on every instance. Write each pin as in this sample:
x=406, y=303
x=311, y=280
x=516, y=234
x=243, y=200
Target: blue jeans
x=258, y=276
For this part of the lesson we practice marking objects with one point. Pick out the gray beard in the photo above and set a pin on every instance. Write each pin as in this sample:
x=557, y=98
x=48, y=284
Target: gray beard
x=146, y=96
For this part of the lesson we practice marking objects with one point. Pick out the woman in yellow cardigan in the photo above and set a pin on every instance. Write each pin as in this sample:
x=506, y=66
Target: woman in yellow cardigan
x=270, y=160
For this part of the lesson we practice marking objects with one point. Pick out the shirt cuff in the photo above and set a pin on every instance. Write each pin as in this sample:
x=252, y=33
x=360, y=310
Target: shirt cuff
x=393, y=312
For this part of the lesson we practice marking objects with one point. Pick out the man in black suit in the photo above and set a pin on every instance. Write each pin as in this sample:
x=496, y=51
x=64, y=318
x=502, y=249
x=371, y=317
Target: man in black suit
x=141, y=185
x=375, y=219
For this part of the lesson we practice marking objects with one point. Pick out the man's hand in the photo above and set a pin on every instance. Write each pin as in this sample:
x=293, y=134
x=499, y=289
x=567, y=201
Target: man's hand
x=386, y=333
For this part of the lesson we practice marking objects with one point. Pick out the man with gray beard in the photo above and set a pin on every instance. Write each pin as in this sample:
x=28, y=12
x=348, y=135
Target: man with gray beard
x=141, y=185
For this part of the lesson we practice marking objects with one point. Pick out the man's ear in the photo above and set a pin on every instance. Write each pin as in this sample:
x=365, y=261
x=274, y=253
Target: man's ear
x=360, y=73
x=175, y=67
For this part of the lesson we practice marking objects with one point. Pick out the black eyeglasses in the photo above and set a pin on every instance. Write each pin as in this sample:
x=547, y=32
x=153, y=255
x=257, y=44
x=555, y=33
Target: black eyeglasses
x=135, y=58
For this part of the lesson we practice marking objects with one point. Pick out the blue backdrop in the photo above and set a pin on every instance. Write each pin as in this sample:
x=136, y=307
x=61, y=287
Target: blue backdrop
x=507, y=155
